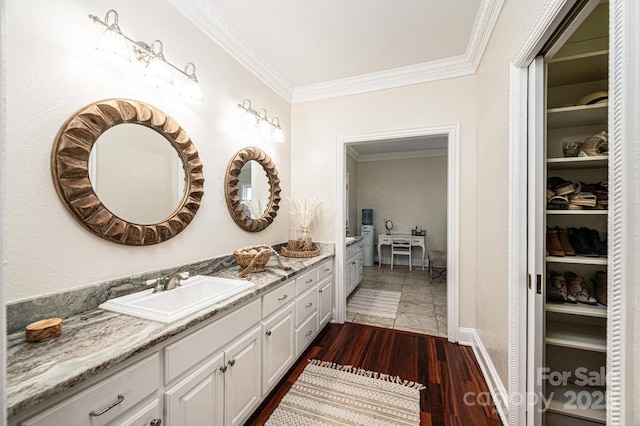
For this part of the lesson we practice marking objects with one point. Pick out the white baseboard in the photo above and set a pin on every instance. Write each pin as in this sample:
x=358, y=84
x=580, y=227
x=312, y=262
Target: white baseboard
x=469, y=337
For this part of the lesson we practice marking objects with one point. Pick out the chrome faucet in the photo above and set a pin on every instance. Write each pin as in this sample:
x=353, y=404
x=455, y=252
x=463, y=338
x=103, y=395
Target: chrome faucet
x=170, y=282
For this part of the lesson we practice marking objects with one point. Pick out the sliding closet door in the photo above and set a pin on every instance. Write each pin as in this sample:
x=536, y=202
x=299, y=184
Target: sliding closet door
x=535, y=231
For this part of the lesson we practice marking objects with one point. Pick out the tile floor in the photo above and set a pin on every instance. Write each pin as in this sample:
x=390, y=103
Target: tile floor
x=423, y=305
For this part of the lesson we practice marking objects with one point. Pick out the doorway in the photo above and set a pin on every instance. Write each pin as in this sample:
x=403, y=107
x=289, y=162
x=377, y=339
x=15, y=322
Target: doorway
x=451, y=135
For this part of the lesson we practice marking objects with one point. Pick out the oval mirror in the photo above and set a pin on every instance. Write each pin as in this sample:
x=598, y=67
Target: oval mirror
x=136, y=174
x=115, y=219
x=252, y=189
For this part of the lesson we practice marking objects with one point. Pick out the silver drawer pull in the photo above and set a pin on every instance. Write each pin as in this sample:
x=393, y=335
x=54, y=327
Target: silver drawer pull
x=283, y=297
x=223, y=368
x=109, y=407
x=319, y=291
x=308, y=305
x=232, y=362
x=327, y=269
x=268, y=333
x=155, y=422
x=310, y=280
x=309, y=333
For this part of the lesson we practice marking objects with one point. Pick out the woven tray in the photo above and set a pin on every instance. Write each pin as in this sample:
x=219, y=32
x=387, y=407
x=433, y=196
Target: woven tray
x=308, y=253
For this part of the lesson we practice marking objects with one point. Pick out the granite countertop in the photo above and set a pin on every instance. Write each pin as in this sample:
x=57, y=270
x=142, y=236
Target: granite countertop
x=353, y=240
x=96, y=340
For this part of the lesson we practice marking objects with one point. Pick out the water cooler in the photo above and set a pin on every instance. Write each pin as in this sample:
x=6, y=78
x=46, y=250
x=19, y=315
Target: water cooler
x=367, y=232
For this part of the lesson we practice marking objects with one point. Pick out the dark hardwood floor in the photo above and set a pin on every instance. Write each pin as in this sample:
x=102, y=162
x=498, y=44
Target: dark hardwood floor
x=449, y=371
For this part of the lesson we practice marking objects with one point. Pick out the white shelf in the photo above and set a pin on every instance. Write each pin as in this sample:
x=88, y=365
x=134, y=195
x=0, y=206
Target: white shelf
x=581, y=260
x=591, y=66
x=564, y=401
x=596, y=162
x=598, y=311
x=576, y=116
x=576, y=336
x=578, y=212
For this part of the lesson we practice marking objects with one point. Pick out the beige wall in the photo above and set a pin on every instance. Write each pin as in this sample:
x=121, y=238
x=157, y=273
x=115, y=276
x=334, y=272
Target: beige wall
x=51, y=73
x=320, y=123
x=355, y=216
x=409, y=192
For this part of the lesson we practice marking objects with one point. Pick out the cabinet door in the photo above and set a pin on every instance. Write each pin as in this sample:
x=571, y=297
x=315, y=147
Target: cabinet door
x=278, y=347
x=198, y=400
x=243, y=390
x=324, y=302
x=352, y=274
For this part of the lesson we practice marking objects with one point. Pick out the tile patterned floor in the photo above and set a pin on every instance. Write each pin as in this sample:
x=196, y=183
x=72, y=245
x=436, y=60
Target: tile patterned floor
x=423, y=305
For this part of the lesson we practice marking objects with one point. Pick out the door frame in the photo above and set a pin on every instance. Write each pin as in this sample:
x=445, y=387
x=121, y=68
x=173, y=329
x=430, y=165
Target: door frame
x=624, y=73
x=452, y=132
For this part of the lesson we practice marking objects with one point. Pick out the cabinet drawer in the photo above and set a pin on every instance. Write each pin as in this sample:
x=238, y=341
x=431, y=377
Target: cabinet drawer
x=306, y=280
x=325, y=269
x=306, y=304
x=416, y=241
x=278, y=297
x=130, y=386
x=191, y=350
x=306, y=333
x=143, y=416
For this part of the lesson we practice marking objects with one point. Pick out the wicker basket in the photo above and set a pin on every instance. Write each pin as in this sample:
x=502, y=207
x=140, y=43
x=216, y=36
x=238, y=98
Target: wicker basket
x=315, y=251
x=245, y=255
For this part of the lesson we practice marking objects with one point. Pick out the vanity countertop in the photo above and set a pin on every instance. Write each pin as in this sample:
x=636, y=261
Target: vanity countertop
x=96, y=340
x=353, y=240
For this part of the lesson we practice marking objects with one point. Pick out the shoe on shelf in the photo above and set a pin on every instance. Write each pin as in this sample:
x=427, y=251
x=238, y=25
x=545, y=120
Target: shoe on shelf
x=595, y=145
x=599, y=281
x=578, y=289
x=554, y=248
x=585, y=199
x=570, y=148
x=579, y=240
x=558, y=202
x=557, y=288
x=593, y=237
x=563, y=236
x=561, y=186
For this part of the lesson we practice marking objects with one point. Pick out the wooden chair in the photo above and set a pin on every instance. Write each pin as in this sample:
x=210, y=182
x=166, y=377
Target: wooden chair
x=401, y=246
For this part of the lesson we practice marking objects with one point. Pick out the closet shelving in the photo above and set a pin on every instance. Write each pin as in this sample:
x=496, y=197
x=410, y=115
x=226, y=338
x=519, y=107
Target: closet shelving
x=575, y=334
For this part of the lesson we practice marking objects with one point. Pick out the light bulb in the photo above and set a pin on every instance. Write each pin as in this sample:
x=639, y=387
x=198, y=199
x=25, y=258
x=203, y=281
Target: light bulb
x=113, y=45
x=191, y=92
x=265, y=129
x=158, y=72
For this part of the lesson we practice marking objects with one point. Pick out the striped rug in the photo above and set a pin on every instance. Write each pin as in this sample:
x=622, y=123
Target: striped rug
x=378, y=303
x=332, y=394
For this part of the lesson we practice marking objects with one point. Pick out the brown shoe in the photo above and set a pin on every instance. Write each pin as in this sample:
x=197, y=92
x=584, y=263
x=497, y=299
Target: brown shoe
x=563, y=237
x=600, y=286
x=578, y=289
x=554, y=248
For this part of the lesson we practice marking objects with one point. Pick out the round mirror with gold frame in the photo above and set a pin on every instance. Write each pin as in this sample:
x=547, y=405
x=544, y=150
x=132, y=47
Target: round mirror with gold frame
x=70, y=169
x=243, y=211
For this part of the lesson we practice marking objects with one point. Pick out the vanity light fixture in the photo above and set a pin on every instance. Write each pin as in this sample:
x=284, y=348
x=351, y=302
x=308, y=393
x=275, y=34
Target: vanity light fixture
x=158, y=70
x=258, y=121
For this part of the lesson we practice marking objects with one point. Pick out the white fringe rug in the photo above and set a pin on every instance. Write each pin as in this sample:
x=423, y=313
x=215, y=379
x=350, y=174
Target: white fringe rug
x=332, y=394
x=378, y=303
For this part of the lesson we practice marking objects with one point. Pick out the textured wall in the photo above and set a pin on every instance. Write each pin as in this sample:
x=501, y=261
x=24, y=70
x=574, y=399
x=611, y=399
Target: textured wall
x=408, y=192
x=51, y=73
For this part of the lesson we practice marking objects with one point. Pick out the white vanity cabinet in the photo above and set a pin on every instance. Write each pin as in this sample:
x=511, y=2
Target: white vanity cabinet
x=355, y=265
x=227, y=381
x=113, y=401
x=214, y=374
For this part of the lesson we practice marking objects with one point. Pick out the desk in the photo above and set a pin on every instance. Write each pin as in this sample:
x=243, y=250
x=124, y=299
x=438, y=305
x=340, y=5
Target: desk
x=416, y=241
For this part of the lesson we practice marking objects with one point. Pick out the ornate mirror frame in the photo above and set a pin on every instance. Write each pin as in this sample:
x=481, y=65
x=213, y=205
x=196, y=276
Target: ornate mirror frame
x=70, y=171
x=231, y=189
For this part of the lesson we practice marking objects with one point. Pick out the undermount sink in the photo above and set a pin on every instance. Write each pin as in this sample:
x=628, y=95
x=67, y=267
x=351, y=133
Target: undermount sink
x=195, y=293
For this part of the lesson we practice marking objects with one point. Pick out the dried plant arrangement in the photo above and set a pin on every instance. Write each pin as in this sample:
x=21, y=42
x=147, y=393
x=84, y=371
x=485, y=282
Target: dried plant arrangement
x=304, y=211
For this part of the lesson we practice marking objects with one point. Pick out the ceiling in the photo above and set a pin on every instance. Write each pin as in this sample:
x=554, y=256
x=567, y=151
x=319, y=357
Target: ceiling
x=395, y=149
x=315, y=50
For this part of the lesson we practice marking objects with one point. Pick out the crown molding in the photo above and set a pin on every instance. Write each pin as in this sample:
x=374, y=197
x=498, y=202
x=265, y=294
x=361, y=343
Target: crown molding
x=207, y=19
x=456, y=66
x=406, y=155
